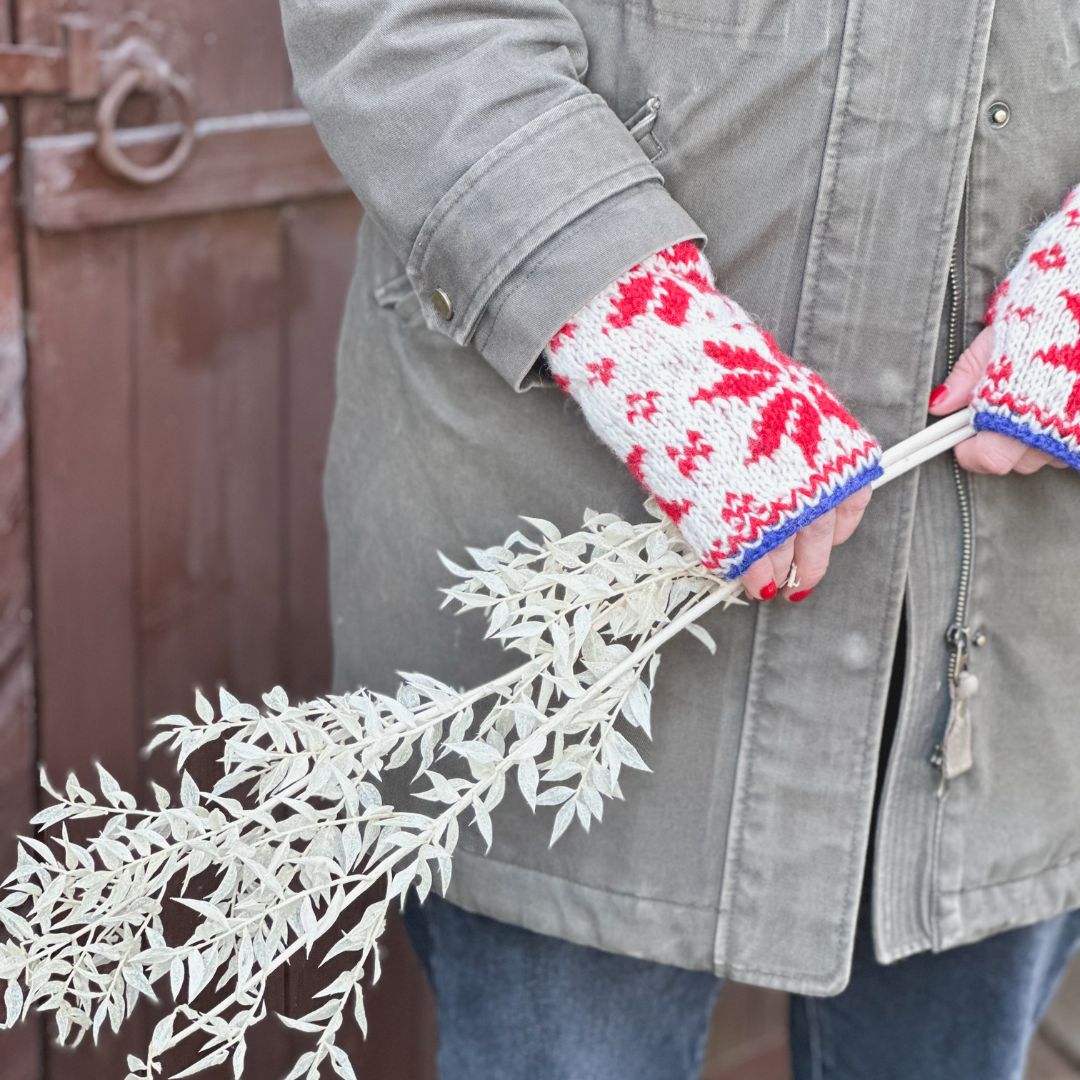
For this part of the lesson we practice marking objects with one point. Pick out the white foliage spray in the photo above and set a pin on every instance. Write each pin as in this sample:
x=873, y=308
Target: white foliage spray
x=296, y=830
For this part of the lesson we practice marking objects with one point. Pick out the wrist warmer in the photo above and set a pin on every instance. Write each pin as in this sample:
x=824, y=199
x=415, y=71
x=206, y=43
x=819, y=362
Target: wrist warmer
x=1031, y=387
x=740, y=445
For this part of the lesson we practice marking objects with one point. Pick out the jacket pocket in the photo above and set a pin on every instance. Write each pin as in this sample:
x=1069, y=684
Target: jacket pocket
x=641, y=123
x=398, y=295
x=742, y=17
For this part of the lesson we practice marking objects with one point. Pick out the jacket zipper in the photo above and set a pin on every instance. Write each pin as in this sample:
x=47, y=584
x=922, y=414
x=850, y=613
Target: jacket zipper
x=952, y=755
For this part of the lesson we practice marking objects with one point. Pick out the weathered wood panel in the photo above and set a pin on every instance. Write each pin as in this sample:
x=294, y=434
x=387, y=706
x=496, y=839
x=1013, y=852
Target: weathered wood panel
x=319, y=244
x=81, y=397
x=208, y=456
x=238, y=162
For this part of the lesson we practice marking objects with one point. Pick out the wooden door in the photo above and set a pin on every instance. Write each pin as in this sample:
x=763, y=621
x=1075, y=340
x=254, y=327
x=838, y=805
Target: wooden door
x=179, y=340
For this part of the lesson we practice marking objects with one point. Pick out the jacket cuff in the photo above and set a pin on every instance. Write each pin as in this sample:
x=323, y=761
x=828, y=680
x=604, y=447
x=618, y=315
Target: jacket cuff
x=514, y=207
x=559, y=279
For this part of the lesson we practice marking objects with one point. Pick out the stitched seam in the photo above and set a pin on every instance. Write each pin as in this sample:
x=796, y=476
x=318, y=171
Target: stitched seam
x=811, y=314
x=856, y=850
x=913, y=671
x=595, y=214
x=487, y=162
x=934, y=892
x=581, y=885
x=695, y=22
x=1048, y=868
x=605, y=187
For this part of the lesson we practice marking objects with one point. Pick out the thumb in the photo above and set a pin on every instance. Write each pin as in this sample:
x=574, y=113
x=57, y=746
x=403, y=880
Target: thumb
x=956, y=391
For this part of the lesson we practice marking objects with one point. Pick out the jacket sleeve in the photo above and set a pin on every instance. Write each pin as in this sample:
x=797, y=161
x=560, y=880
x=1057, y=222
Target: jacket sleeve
x=496, y=175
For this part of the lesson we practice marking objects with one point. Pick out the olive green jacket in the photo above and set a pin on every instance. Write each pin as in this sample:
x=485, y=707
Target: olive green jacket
x=514, y=156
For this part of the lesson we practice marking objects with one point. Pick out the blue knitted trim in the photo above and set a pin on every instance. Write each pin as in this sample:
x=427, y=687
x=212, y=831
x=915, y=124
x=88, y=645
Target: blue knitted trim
x=1041, y=440
x=775, y=536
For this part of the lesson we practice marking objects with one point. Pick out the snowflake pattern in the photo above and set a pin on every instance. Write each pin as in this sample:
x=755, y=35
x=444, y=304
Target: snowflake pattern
x=1031, y=387
x=739, y=444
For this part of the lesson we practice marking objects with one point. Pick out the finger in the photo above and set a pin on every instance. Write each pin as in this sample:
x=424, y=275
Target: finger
x=849, y=513
x=955, y=392
x=758, y=581
x=813, y=545
x=781, y=561
x=1033, y=460
x=991, y=453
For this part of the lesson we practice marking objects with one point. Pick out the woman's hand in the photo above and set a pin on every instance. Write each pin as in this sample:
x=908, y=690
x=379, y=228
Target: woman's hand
x=988, y=451
x=750, y=454
x=809, y=549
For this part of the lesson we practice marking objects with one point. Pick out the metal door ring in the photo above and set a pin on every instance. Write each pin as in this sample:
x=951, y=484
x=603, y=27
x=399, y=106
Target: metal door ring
x=109, y=151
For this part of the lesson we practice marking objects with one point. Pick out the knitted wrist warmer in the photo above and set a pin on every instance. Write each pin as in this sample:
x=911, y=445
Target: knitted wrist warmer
x=740, y=445
x=1031, y=387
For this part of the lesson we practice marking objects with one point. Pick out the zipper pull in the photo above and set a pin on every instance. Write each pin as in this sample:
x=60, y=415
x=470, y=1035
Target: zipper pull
x=953, y=755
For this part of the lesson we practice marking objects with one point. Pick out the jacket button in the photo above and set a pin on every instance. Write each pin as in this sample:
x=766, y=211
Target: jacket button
x=444, y=308
x=979, y=638
x=999, y=114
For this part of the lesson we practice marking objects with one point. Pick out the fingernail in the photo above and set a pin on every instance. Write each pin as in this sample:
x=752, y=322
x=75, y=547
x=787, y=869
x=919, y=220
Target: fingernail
x=937, y=394
x=802, y=594
x=769, y=591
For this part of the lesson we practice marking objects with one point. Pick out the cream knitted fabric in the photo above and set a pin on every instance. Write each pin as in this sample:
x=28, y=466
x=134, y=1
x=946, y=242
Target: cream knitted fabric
x=740, y=445
x=1031, y=387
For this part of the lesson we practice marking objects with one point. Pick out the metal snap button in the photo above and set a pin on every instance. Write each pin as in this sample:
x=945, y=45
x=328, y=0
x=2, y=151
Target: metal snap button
x=979, y=638
x=444, y=308
x=999, y=114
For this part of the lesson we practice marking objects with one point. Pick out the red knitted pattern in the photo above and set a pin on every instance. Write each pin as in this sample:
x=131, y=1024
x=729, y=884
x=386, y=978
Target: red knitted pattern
x=739, y=443
x=1031, y=387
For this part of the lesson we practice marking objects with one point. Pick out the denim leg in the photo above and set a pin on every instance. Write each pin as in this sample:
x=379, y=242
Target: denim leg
x=514, y=1004
x=968, y=1013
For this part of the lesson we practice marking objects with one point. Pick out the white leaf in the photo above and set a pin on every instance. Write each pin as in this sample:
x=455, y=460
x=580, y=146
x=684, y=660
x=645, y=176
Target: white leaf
x=528, y=777
x=308, y=920
x=176, y=977
x=13, y=1002
x=341, y=1063
x=703, y=635
x=483, y=822
x=300, y=1025
x=203, y=707
x=548, y=530
x=226, y=701
x=196, y=974
x=562, y=820
x=189, y=791
x=554, y=796
x=208, y=1062
x=301, y=1066
x=626, y=751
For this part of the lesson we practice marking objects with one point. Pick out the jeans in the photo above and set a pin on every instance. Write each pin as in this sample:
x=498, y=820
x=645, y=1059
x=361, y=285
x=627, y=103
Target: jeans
x=515, y=1005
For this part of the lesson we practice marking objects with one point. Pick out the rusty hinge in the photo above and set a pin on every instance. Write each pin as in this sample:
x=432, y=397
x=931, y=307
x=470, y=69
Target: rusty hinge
x=73, y=68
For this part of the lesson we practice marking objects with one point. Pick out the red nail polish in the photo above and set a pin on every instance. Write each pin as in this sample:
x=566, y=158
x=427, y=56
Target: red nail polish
x=802, y=594
x=937, y=394
x=769, y=591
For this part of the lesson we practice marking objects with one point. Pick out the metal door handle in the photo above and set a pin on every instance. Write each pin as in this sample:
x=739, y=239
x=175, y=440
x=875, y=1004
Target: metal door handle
x=139, y=67
x=81, y=71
